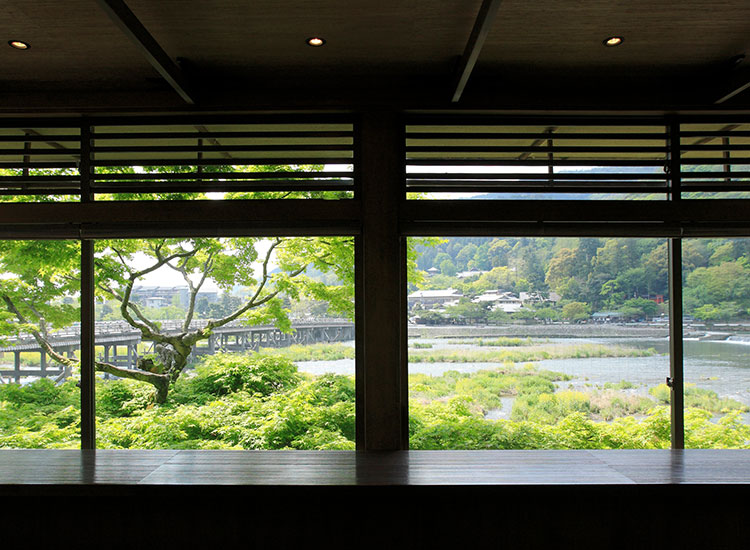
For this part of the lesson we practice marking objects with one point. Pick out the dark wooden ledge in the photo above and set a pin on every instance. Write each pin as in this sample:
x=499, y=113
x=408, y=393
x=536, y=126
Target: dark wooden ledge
x=77, y=470
x=410, y=499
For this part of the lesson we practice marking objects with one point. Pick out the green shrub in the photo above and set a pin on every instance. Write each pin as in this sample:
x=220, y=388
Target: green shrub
x=40, y=393
x=122, y=397
x=226, y=373
x=699, y=398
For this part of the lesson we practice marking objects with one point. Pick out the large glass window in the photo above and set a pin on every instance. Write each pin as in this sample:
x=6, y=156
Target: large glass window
x=529, y=343
x=232, y=343
x=39, y=344
x=716, y=303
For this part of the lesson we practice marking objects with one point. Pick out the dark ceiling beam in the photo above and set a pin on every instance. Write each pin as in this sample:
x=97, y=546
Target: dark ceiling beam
x=128, y=23
x=485, y=17
x=733, y=93
x=738, y=79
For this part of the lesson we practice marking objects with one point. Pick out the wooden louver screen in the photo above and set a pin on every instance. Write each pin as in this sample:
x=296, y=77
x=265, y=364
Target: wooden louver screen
x=133, y=155
x=715, y=158
x=39, y=157
x=533, y=156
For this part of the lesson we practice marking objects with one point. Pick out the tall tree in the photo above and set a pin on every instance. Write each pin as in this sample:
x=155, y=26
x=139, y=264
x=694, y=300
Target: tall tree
x=41, y=276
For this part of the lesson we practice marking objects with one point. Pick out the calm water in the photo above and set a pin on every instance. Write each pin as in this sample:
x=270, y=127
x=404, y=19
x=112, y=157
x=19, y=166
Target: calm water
x=720, y=366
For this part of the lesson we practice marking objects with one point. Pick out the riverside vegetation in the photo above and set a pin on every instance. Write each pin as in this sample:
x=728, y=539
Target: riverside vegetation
x=262, y=401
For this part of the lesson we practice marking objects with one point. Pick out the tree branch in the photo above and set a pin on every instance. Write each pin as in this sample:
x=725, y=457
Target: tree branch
x=255, y=301
x=193, y=288
x=147, y=328
x=41, y=340
x=131, y=305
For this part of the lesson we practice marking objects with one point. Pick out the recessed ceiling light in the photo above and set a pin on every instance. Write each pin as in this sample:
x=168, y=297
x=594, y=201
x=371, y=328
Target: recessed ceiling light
x=19, y=44
x=316, y=41
x=612, y=41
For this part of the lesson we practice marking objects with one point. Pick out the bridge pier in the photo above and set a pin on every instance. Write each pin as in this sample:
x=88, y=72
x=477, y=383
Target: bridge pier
x=17, y=366
x=111, y=338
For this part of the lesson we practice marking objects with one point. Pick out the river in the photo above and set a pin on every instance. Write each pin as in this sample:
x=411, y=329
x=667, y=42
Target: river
x=721, y=366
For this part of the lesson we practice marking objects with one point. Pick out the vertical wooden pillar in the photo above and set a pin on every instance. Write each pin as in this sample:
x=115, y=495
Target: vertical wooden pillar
x=88, y=317
x=676, y=377
x=88, y=440
x=382, y=411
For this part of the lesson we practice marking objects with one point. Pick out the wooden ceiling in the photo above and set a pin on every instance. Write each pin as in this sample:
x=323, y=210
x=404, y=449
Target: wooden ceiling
x=236, y=54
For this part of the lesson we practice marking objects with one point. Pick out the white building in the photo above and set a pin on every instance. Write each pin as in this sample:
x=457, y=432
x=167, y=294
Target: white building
x=505, y=301
x=429, y=298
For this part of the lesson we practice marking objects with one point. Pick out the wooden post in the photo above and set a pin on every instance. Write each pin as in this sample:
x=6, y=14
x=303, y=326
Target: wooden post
x=676, y=378
x=382, y=410
x=88, y=437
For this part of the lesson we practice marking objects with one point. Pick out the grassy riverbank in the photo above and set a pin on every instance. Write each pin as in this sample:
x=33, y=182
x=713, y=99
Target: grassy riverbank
x=312, y=352
x=261, y=401
x=540, y=330
x=527, y=353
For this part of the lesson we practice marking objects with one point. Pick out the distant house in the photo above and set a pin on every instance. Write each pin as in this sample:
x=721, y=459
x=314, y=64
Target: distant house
x=500, y=300
x=607, y=317
x=433, y=271
x=430, y=298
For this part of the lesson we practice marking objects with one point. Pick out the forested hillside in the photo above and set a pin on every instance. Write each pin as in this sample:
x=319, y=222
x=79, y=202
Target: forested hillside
x=613, y=274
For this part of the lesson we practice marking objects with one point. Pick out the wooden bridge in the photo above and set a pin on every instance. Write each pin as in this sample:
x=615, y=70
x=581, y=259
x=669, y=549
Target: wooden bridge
x=117, y=343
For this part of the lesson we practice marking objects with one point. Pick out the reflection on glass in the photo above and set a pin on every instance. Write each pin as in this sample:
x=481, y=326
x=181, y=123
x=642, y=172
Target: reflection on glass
x=526, y=343
x=716, y=302
x=242, y=343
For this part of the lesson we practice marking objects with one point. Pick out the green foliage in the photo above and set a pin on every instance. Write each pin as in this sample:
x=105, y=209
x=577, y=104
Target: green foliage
x=235, y=402
x=260, y=401
x=118, y=398
x=312, y=352
x=699, y=398
x=447, y=412
x=39, y=415
x=617, y=274
x=525, y=353
x=225, y=373
x=575, y=311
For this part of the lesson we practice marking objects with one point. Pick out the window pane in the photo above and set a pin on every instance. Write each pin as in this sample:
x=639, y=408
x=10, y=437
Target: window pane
x=716, y=301
x=39, y=344
x=241, y=343
x=539, y=343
